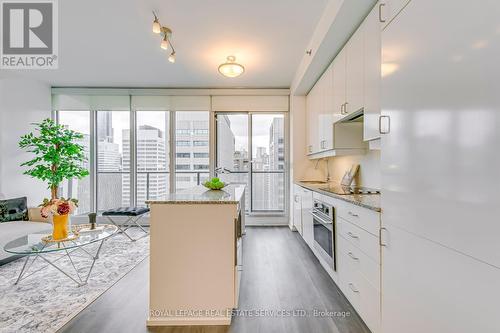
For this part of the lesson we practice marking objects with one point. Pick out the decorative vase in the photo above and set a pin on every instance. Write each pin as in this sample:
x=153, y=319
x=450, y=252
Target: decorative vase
x=60, y=226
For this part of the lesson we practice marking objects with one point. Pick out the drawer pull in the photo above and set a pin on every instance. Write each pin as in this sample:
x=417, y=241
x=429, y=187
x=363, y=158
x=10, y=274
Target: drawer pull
x=352, y=214
x=352, y=256
x=351, y=286
x=352, y=235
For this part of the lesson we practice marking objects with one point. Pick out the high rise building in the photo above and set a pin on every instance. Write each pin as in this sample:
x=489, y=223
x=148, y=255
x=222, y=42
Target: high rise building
x=152, y=164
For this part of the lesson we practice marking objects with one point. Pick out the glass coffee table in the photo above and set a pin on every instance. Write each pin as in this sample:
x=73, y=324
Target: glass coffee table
x=34, y=246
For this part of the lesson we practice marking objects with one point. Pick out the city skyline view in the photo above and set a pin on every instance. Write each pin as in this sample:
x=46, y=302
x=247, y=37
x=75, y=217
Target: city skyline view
x=192, y=156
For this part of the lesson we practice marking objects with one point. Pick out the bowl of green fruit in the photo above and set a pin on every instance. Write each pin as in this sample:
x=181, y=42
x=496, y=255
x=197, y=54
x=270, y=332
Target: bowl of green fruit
x=214, y=184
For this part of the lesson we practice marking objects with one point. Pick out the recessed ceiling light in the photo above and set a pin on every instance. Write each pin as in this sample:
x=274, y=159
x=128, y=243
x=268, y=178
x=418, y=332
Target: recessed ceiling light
x=231, y=68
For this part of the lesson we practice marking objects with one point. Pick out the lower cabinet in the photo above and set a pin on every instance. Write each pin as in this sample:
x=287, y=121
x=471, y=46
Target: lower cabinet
x=297, y=209
x=307, y=221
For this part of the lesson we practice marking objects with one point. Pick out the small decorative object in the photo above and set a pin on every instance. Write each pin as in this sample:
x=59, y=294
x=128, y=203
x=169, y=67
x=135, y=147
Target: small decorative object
x=59, y=209
x=214, y=184
x=92, y=219
x=59, y=156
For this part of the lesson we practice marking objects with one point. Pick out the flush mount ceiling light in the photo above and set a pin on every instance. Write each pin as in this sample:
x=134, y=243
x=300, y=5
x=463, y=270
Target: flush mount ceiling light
x=166, y=34
x=231, y=68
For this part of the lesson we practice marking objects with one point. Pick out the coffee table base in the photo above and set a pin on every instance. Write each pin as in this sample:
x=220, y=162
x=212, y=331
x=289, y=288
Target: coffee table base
x=78, y=280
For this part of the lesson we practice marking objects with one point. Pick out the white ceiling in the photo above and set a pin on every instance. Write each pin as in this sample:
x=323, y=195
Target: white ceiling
x=110, y=43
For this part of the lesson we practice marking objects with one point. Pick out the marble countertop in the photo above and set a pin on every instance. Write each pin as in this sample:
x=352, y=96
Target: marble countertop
x=231, y=194
x=369, y=201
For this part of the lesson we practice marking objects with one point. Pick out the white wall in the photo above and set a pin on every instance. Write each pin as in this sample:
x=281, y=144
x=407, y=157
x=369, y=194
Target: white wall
x=22, y=102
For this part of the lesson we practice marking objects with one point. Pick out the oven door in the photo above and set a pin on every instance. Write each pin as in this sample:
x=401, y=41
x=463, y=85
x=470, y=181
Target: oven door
x=324, y=232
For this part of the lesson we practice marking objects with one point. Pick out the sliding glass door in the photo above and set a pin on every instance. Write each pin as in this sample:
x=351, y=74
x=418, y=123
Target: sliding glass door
x=251, y=150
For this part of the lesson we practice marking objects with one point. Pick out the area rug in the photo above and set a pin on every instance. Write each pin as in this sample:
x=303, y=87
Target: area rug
x=47, y=300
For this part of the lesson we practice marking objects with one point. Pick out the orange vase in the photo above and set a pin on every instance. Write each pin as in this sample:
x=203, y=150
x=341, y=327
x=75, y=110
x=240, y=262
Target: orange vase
x=60, y=226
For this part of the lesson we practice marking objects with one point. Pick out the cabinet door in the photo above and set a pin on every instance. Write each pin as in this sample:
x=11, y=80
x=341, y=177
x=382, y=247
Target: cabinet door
x=311, y=121
x=354, y=72
x=326, y=118
x=307, y=222
x=450, y=292
x=372, y=62
x=297, y=209
x=339, y=81
x=387, y=10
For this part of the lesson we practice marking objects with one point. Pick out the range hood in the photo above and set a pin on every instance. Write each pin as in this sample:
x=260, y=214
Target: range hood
x=354, y=117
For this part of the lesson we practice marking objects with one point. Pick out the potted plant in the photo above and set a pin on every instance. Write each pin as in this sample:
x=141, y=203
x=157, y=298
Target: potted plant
x=58, y=156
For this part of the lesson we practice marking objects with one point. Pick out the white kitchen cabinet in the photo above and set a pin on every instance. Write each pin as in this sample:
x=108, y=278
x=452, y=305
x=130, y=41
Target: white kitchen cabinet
x=327, y=116
x=387, y=10
x=439, y=190
x=297, y=208
x=312, y=120
x=450, y=292
x=339, y=82
x=372, y=61
x=354, y=72
x=307, y=221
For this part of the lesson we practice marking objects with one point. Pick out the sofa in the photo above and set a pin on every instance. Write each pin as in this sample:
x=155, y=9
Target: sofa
x=31, y=221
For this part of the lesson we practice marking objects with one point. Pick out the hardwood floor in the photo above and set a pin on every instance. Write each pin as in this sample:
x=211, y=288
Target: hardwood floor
x=279, y=273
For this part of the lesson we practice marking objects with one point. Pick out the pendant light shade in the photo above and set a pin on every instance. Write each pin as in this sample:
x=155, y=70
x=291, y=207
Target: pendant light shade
x=231, y=68
x=156, y=26
x=164, y=43
x=171, y=58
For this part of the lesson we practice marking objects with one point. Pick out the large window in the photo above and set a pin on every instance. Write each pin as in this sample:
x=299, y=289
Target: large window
x=192, y=139
x=78, y=188
x=118, y=183
x=113, y=159
x=152, y=155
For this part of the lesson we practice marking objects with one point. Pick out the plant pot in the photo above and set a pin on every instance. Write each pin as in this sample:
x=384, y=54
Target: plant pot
x=60, y=226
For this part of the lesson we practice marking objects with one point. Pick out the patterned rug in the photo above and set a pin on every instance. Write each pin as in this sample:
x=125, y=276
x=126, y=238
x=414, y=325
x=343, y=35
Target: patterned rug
x=46, y=300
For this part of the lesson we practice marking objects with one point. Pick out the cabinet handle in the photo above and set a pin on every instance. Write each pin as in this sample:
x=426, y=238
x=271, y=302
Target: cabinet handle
x=353, y=288
x=352, y=256
x=384, y=129
x=296, y=198
x=310, y=148
x=352, y=235
x=380, y=12
x=345, y=108
x=380, y=239
x=352, y=214
x=342, y=109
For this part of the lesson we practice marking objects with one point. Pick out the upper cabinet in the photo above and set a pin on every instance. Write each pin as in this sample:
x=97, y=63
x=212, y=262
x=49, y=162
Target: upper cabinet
x=372, y=63
x=387, y=10
x=354, y=69
x=351, y=83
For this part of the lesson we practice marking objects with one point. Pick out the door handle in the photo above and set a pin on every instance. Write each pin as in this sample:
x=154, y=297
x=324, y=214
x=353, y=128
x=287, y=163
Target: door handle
x=352, y=256
x=352, y=214
x=352, y=235
x=384, y=124
x=380, y=12
x=381, y=233
x=351, y=286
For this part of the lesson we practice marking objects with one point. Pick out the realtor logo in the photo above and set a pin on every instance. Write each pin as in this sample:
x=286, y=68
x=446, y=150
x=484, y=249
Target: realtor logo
x=29, y=34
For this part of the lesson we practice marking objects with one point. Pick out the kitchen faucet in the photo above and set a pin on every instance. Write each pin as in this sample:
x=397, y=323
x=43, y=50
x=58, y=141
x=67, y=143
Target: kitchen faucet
x=327, y=168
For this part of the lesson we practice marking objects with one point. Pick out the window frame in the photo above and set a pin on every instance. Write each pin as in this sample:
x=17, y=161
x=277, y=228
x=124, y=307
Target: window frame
x=93, y=151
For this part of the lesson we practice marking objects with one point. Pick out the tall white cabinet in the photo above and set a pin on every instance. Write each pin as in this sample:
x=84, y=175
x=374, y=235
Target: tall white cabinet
x=440, y=201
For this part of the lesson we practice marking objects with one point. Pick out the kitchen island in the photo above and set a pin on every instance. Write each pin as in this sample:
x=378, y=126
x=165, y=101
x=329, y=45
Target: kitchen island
x=195, y=256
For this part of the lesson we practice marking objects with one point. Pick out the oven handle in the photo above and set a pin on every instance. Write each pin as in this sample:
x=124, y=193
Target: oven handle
x=322, y=221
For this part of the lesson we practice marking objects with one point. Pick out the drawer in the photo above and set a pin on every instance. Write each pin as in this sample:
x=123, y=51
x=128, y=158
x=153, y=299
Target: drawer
x=360, y=238
x=361, y=294
x=366, y=219
x=360, y=262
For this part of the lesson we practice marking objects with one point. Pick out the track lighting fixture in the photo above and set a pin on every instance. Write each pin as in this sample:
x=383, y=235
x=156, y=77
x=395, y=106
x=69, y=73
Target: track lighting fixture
x=166, y=34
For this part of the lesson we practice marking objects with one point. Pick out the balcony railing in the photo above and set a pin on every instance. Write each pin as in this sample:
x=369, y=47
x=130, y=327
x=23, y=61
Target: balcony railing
x=201, y=175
